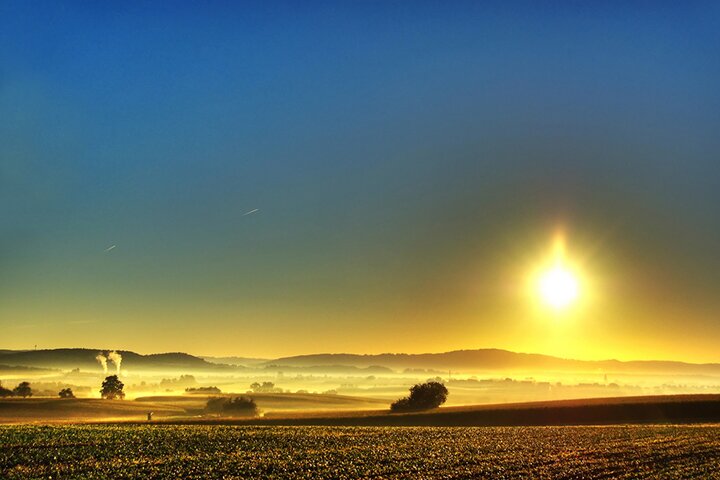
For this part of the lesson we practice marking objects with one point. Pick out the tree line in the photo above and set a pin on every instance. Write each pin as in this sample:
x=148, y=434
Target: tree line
x=423, y=396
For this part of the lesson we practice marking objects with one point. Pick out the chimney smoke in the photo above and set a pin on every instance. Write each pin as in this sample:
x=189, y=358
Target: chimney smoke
x=102, y=360
x=116, y=358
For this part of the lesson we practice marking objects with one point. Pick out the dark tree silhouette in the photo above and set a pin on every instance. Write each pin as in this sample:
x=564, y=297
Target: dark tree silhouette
x=238, y=406
x=423, y=396
x=5, y=392
x=265, y=387
x=112, y=388
x=66, y=393
x=23, y=390
x=203, y=390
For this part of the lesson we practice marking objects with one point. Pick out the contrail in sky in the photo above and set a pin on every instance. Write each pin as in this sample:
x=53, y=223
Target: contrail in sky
x=251, y=211
x=110, y=248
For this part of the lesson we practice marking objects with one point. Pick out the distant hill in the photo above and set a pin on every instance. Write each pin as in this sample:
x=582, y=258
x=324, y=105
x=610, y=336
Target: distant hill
x=270, y=366
x=16, y=370
x=84, y=358
x=460, y=361
x=495, y=360
x=237, y=361
x=334, y=369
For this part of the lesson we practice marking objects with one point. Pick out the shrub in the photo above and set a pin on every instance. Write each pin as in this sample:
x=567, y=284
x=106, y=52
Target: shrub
x=66, y=393
x=5, y=392
x=201, y=390
x=23, y=390
x=423, y=396
x=238, y=406
x=265, y=387
x=183, y=381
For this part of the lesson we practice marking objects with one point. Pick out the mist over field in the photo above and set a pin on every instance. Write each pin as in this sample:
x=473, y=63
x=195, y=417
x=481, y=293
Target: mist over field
x=179, y=385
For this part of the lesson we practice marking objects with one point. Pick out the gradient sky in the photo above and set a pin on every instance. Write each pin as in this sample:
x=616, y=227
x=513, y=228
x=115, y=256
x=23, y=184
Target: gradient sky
x=410, y=162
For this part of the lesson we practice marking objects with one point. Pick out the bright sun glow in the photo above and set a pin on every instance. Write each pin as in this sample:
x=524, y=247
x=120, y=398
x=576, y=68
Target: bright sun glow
x=557, y=283
x=558, y=287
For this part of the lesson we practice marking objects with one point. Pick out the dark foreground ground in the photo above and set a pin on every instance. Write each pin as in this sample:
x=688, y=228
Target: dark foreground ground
x=337, y=410
x=201, y=451
x=658, y=409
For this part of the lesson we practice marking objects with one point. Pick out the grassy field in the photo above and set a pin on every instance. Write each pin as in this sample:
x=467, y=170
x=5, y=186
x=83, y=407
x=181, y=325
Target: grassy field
x=18, y=410
x=165, y=451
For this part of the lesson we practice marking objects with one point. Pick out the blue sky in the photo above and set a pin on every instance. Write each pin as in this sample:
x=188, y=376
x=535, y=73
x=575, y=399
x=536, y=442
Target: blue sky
x=406, y=160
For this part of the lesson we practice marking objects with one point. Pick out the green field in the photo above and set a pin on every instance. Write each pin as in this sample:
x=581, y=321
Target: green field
x=165, y=451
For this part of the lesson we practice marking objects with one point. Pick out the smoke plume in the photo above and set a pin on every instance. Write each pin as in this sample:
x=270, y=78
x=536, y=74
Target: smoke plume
x=116, y=358
x=103, y=361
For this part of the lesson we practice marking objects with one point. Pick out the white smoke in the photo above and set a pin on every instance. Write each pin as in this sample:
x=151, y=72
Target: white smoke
x=116, y=358
x=103, y=361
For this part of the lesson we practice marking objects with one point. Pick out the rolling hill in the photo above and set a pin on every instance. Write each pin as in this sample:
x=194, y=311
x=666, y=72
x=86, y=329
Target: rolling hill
x=84, y=358
x=460, y=361
x=496, y=360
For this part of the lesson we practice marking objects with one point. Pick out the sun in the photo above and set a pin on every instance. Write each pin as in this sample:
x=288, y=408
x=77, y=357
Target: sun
x=558, y=287
x=557, y=281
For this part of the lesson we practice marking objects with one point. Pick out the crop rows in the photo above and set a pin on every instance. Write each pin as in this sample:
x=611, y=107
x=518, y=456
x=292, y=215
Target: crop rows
x=153, y=451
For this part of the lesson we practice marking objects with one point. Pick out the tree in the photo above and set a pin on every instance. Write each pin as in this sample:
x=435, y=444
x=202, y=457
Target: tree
x=183, y=381
x=23, y=390
x=238, y=406
x=265, y=387
x=423, y=396
x=203, y=390
x=66, y=393
x=112, y=388
x=5, y=392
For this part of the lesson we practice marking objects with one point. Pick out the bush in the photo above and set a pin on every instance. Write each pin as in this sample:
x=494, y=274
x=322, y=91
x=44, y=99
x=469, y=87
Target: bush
x=23, y=390
x=201, y=390
x=265, y=387
x=241, y=405
x=423, y=396
x=238, y=406
x=66, y=393
x=183, y=381
x=5, y=392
